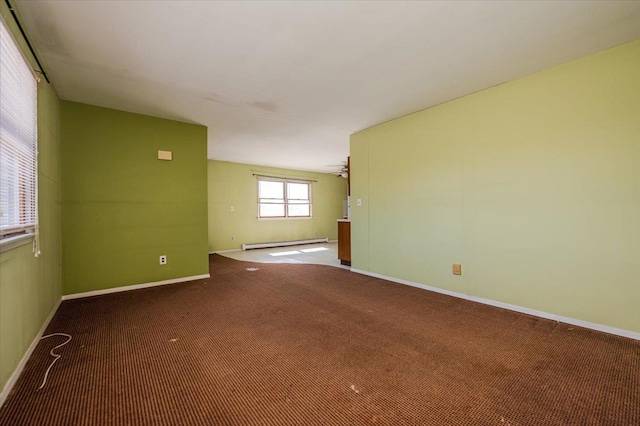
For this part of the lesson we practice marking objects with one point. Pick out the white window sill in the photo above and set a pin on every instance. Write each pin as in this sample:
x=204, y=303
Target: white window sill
x=15, y=242
x=286, y=218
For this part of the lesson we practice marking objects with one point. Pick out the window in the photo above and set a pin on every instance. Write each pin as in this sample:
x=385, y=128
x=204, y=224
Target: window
x=18, y=140
x=283, y=198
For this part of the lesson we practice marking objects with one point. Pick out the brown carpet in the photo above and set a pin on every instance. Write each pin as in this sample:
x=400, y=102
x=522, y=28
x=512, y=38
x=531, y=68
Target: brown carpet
x=309, y=344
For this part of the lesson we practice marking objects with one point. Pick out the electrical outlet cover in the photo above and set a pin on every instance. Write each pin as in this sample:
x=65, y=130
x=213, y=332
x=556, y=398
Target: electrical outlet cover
x=457, y=269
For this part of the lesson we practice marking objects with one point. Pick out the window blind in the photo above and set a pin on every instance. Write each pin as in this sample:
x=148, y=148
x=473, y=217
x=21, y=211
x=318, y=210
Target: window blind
x=18, y=139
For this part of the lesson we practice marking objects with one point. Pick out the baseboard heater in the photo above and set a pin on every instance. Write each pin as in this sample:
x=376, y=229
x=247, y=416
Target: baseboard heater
x=284, y=243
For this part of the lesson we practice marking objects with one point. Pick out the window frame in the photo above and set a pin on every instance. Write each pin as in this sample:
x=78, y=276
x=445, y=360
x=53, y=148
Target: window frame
x=286, y=200
x=20, y=149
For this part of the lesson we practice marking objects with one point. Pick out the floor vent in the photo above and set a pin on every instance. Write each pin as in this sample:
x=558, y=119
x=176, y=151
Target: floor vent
x=284, y=243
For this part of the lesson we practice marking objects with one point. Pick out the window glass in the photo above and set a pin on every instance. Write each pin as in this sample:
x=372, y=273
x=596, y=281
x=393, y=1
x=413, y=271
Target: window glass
x=297, y=191
x=271, y=210
x=283, y=199
x=271, y=189
x=299, y=210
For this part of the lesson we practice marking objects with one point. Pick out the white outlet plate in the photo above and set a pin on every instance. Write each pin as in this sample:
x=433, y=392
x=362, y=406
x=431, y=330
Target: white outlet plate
x=163, y=260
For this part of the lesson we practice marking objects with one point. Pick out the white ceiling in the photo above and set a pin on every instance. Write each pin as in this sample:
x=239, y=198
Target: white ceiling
x=285, y=83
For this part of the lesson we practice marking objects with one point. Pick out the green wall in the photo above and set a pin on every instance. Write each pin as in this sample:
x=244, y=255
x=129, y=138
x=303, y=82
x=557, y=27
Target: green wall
x=122, y=207
x=533, y=186
x=234, y=185
x=30, y=287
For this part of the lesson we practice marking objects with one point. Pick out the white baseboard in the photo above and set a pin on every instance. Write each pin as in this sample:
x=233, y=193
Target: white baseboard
x=580, y=323
x=132, y=287
x=250, y=246
x=16, y=373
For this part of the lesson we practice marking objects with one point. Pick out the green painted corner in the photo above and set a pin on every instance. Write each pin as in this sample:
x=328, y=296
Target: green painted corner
x=122, y=207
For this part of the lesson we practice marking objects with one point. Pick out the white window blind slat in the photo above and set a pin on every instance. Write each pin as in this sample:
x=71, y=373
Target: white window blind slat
x=18, y=139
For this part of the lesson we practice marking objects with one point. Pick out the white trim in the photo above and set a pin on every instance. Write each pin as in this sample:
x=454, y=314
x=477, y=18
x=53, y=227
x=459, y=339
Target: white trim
x=284, y=243
x=132, y=287
x=580, y=323
x=224, y=251
x=15, y=242
x=16, y=373
x=286, y=218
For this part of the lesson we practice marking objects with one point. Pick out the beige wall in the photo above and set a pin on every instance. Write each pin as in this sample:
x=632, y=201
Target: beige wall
x=234, y=185
x=533, y=186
